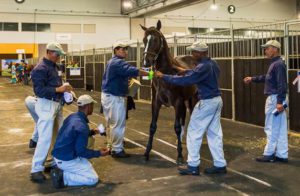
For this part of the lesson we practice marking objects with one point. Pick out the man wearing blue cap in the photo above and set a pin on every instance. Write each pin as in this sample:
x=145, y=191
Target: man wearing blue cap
x=275, y=81
x=206, y=113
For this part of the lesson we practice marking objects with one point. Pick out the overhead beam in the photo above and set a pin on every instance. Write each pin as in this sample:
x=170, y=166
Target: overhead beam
x=159, y=7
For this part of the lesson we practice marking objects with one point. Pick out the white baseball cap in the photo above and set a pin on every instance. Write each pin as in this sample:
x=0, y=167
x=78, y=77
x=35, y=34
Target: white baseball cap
x=54, y=46
x=198, y=46
x=273, y=43
x=120, y=44
x=84, y=100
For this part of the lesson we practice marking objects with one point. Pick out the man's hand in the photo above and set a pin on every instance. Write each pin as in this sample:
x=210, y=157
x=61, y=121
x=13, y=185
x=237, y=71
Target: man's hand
x=279, y=107
x=158, y=74
x=64, y=88
x=104, y=151
x=247, y=80
x=96, y=130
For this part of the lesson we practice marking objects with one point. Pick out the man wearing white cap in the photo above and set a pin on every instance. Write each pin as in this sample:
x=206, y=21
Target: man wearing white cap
x=48, y=88
x=70, y=151
x=114, y=89
x=275, y=81
x=206, y=113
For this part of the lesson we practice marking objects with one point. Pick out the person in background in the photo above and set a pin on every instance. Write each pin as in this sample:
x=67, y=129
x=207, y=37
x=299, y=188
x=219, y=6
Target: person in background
x=114, y=90
x=70, y=151
x=13, y=74
x=48, y=88
x=275, y=81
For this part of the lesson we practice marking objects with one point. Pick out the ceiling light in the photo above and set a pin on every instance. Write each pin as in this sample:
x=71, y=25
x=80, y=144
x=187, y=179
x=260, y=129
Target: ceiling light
x=19, y=1
x=214, y=6
x=127, y=4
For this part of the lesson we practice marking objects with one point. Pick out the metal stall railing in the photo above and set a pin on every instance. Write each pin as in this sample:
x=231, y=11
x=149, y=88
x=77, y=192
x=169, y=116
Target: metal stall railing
x=239, y=54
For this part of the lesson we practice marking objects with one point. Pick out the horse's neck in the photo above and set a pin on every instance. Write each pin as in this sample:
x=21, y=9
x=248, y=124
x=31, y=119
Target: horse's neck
x=165, y=62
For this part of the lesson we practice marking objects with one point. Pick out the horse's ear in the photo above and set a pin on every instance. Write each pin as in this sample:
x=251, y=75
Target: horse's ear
x=144, y=28
x=158, y=25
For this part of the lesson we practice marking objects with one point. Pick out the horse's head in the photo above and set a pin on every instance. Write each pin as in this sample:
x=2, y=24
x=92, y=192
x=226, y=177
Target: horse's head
x=153, y=41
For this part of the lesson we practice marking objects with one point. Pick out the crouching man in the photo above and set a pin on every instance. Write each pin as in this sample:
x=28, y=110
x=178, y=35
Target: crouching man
x=70, y=151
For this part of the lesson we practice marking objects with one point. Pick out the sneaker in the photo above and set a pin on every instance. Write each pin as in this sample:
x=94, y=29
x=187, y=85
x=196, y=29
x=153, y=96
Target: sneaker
x=32, y=144
x=188, y=170
x=283, y=160
x=265, y=158
x=57, y=178
x=216, y=170
x=37, y=177
x=121, y=154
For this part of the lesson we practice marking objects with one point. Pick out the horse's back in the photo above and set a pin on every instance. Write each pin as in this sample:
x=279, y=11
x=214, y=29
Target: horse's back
x=186, y=61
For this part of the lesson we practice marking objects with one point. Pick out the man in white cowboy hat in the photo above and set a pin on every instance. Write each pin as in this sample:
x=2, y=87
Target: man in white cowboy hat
x=48, y=88
x=275, y=81
x=70, y=151
x=207, y=112
x=114, y=90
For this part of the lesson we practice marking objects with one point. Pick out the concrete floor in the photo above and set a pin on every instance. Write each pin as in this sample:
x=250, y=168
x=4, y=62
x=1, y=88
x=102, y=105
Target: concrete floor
x=135, y=176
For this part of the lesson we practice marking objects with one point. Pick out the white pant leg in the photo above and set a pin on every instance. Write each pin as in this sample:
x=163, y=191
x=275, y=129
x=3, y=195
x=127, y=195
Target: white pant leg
x=282, y=140
x=46, y=111
x=115, y=113
x=201, y=117
x=30, y=103
x=215, y=135
x=78, y=172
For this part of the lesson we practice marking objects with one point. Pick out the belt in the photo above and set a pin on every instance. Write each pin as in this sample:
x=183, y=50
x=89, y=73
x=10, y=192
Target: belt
x=59, y=100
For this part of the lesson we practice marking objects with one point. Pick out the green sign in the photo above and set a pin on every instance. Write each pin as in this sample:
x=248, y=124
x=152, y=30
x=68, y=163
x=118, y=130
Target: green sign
x=231, y=9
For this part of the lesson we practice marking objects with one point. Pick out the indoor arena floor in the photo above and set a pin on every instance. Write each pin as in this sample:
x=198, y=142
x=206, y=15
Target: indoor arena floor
x=135, y=176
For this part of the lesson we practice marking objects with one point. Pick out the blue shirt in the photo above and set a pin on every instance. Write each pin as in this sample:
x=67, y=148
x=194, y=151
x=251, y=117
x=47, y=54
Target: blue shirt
x=45, y=79
x=205, y=75
x=116, y=75
x=275, y=80
x=72, y=139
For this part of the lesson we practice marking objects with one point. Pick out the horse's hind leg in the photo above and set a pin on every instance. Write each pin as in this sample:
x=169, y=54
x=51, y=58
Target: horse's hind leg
x=177, y=126
x=153, y=126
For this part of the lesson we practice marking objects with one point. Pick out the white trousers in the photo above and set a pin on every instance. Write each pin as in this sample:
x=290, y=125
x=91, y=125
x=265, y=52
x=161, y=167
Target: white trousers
x=115, y=113
x=30, y=102
x=206, y=118
x=50, y=120
x=78, y=172
x=276, y=130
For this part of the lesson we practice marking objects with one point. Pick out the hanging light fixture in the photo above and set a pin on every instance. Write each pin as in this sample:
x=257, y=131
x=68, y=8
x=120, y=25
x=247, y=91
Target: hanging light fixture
x=19, y=1
x=214, y=6
x=127, y=4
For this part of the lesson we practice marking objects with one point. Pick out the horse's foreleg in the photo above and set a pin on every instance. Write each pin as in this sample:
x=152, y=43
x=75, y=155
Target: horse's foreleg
x=153, y=127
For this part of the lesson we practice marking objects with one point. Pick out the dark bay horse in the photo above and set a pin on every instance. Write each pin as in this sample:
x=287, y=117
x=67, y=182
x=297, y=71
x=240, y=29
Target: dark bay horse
x=157, y=56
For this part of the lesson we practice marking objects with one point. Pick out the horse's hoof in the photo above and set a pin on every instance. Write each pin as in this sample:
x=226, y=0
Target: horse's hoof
x=180, y=161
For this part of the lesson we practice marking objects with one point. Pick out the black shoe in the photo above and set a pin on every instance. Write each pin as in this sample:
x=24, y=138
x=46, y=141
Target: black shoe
x=48, y=168
x=57, y=177
x=188, y=170
x=32, y=144
x=37, y=177
x=265, y=159
x=216, y=170
x=121, y=154
x=283, y=160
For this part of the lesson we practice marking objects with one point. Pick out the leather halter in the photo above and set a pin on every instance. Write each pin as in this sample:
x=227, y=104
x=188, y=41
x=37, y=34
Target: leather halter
x=159, y=51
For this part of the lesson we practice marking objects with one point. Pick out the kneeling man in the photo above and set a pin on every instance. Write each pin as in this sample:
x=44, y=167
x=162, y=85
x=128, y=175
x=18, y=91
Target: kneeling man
x=70, y=150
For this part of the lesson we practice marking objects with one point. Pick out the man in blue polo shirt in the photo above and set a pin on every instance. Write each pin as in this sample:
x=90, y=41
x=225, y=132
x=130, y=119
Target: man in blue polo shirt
x=275, y=81
x=48, y=88
x=70, y=151
x=114, y=89
x=207, y=112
